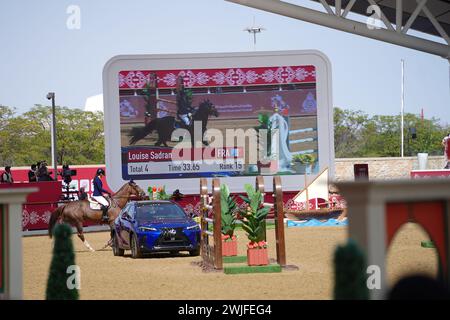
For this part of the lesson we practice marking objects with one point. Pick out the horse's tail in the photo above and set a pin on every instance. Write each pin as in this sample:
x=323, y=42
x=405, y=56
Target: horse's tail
x=53, y=218
x=138, y=133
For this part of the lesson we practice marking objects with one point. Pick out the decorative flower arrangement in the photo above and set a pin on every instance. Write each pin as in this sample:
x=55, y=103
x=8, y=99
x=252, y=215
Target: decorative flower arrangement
x=158, y=193
x=227, y=238
x=257, y=245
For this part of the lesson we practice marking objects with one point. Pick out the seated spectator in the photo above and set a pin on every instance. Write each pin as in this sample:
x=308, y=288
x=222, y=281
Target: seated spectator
x=32, y=174
x=177, y=195
x=7, y=175
x=42, y=172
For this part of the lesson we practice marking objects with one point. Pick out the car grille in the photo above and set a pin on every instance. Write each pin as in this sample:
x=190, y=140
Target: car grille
x=166, y=239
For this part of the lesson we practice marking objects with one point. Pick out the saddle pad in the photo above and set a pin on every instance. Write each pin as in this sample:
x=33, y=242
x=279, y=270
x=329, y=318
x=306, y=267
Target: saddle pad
x=94, y=205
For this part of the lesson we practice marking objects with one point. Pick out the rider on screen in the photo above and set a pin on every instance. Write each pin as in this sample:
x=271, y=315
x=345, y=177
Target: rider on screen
x=184, y=103
x=98, y=193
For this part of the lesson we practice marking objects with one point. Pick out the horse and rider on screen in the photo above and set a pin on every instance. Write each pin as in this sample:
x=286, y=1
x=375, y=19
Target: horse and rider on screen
x=185, y=118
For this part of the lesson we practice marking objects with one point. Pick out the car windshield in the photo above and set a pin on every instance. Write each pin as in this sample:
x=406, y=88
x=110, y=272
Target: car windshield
x=159, y=211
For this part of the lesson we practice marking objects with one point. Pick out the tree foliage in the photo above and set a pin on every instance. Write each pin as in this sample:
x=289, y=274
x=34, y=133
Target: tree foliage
x=26, y=138
x=356, y=134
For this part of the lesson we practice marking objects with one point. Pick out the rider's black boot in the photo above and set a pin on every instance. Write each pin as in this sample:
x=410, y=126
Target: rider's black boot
x=105, y=217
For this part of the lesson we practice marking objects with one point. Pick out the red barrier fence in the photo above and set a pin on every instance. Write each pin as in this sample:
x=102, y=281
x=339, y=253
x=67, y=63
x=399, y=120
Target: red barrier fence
x=39, y=205
x=37, y=210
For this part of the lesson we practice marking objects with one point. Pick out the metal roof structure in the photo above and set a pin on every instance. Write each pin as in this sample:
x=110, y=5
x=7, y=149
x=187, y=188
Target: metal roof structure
x=387, y=20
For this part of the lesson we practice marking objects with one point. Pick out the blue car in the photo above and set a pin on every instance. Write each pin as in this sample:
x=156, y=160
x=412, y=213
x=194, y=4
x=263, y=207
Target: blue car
x=155, y=226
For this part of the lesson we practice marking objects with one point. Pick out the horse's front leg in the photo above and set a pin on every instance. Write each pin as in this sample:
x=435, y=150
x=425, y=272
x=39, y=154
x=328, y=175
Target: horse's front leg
x=206, y=143
x=110, y=241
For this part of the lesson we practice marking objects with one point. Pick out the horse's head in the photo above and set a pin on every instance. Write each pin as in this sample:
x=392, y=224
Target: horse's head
x=136, y=190
x=209, y=108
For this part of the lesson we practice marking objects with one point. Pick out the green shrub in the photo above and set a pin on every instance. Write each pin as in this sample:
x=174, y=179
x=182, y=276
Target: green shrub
x=63, y=257
x=306, y=158
x=350, y=273
x=228, y=207
x=254, y=214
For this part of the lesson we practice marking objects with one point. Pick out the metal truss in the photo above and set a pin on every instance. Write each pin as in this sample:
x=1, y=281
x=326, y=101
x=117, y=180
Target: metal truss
x=337, y=18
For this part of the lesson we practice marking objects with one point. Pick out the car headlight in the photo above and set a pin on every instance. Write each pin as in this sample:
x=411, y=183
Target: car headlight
x=194, y=227
x=146, y=229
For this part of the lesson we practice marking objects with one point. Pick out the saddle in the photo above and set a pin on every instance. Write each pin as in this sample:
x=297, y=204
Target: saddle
x=95, y=205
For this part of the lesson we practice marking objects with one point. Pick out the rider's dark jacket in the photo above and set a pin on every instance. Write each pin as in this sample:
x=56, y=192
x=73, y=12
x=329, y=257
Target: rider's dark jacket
x=184, y=103
x=98, y=187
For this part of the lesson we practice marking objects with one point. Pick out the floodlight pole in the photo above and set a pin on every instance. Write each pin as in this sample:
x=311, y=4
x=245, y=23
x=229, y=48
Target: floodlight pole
x=51, y=95
x=402, y=107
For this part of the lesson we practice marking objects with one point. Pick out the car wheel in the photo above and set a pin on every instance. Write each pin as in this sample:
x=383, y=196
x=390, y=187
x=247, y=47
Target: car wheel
x=195, y=252
x=135, y=250
x=117, y=251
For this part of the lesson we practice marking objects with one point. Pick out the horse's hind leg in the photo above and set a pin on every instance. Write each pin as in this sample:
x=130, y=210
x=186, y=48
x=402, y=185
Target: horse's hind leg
x=79, y=227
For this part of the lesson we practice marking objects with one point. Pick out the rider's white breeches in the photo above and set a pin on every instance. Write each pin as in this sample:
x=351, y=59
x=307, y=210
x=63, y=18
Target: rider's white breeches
x=184, y=118
x=102, y=200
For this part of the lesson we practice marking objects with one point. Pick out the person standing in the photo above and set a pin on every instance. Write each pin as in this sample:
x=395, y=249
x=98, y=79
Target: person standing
x=32, y=174
x=98, y=193
x=446, y=145
x=42, y=173
x=7, y=175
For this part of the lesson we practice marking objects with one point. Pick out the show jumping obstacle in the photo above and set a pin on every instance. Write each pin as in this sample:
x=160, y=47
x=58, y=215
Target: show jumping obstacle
x=377, y=210
x=212, y=254
x=11, y=200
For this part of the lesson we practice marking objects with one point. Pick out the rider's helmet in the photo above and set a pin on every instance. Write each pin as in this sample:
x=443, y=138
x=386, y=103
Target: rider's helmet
x=100, y=171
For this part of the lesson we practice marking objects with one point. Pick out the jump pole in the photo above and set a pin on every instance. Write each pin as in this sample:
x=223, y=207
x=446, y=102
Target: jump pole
x=211, y=256
x=217, y=224
x=259, y=185
x=278, y=209
x=279, y=221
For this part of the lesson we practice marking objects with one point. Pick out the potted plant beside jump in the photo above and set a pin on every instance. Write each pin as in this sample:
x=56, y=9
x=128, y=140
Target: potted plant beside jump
x=228, y=206
x=303, y=163
x=252, y=222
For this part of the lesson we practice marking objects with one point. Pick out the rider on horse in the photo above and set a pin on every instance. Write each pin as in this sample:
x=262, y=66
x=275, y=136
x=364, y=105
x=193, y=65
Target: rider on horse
x=184, y=103
x=98, y=194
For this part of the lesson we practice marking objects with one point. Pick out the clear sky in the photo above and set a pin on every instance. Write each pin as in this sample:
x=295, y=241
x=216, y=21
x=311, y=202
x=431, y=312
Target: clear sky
x=38, y=53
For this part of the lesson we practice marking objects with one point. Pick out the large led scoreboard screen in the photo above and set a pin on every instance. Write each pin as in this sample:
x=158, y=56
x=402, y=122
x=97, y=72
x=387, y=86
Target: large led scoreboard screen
x=186, y=118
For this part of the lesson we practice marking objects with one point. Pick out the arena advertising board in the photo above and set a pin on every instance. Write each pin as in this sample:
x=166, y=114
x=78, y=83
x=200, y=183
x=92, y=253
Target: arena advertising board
x=172, y=119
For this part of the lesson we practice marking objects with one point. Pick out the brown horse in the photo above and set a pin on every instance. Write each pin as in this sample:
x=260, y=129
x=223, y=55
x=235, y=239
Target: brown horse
x=76, y=212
